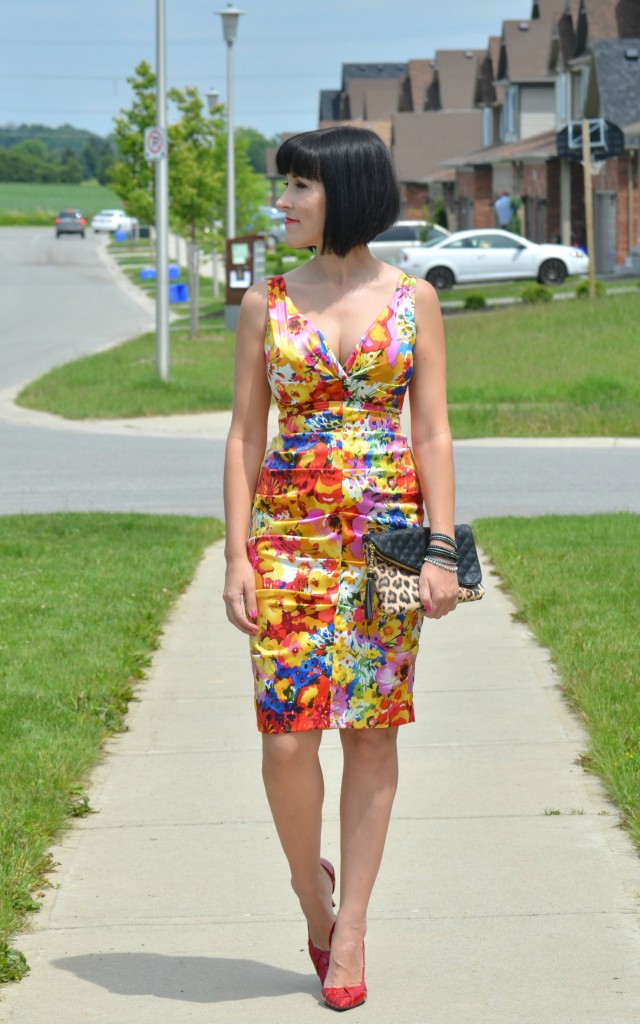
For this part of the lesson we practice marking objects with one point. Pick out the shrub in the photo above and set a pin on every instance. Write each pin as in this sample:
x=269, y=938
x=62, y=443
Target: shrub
x=582, y=291
x=475, y=301
x=533, y=293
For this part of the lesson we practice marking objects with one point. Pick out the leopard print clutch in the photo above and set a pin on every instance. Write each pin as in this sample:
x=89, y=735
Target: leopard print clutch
x=394, y=560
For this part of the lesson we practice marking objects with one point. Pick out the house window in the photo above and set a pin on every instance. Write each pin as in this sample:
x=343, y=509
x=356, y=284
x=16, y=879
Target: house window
x=511, y=114
x=487, y=126
x=562, y=99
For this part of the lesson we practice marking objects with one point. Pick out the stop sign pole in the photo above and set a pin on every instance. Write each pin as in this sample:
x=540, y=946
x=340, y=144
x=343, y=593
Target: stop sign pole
x=157, y=146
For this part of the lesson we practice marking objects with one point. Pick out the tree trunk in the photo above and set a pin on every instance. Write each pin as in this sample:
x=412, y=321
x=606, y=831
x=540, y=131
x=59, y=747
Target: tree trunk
x=194, y=281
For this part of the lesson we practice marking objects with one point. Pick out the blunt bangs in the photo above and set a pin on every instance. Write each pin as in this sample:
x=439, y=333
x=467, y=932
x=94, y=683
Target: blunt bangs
x=356, y=169
x=298, y=156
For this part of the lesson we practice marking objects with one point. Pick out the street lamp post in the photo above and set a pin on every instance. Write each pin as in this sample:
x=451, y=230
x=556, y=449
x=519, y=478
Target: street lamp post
x=230, y=17
x=213, y=101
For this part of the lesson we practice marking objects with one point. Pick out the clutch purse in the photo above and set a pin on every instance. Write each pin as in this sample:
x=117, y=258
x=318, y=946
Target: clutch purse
x=394, y=560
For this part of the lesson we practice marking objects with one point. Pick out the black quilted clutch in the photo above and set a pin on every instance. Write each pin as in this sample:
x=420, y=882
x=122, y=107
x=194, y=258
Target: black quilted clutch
x=394, y=560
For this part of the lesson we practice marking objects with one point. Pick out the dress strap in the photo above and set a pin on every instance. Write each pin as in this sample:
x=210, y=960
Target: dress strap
x=406, y=297
x=277, y=301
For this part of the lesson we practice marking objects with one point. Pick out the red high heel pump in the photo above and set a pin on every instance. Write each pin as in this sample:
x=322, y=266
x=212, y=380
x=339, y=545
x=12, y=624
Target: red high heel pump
x=348, y=996
x=320, y=957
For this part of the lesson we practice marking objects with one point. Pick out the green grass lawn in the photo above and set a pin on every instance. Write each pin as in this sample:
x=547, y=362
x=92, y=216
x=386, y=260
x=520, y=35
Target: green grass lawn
x=574, y=583
x=37, y=203
x=563, y=369
x=82, y=603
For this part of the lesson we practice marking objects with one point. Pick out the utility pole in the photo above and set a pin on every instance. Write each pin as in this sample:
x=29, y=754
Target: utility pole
x=162, y=200
x=588, y=206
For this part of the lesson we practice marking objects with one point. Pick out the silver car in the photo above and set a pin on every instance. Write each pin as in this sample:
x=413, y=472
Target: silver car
x=70, y=222
x=389, y=244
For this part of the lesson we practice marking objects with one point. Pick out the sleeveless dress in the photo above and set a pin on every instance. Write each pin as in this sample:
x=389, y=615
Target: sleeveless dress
x=338, y=467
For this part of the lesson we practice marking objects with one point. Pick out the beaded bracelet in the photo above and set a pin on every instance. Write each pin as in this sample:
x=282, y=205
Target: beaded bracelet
x=441, y=565
x=433, y=549
x=444, y=537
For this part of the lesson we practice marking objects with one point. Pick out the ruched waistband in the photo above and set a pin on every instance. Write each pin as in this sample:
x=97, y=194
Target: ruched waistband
x=336, y=417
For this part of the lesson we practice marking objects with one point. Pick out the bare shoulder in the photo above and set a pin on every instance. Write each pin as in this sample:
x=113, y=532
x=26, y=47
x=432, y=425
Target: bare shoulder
x=254, y=305
x=429, y=325
x=427, y=301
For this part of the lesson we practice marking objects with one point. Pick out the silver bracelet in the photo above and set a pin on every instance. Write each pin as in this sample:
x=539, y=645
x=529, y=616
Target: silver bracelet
x=441, y=565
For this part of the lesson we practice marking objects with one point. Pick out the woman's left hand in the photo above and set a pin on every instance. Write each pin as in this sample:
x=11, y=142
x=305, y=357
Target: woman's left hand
x=438, y=591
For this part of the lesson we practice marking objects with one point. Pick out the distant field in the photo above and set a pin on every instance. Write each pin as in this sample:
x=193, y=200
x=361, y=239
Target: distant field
x=26, y=203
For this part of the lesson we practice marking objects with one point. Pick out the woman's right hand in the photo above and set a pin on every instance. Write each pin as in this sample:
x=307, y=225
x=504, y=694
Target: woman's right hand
x=240, y=595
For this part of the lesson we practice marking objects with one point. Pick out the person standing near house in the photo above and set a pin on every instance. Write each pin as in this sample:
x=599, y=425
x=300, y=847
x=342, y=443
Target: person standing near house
x=339, y=341
x=503, y=211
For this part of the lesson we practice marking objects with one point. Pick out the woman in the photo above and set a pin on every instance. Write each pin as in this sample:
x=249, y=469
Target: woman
x=337, y=341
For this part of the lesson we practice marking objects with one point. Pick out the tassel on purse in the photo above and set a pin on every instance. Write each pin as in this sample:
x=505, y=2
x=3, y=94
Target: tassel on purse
x=394, y=559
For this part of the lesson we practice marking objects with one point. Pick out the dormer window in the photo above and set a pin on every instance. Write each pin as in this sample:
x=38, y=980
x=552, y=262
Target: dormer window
x=562, y=98
x=510, y=121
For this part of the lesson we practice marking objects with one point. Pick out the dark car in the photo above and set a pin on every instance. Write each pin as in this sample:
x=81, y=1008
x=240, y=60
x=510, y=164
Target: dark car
x=70, y=222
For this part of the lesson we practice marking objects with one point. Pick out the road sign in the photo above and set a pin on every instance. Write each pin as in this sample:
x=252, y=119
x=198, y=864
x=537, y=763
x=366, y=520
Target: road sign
x=605, y=138
x=155, y=143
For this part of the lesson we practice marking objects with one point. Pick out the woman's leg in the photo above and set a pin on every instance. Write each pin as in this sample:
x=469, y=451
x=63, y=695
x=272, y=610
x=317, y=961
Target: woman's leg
x=295, y=791
x=369, y=782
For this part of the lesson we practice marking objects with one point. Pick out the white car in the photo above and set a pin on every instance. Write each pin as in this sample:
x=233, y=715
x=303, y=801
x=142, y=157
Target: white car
x=389, y=244
x=113, y=220
x=491, y=255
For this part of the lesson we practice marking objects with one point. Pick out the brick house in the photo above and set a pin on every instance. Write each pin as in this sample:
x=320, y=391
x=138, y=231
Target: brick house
x=423, y=110
x=518, y=111
x=596, y=62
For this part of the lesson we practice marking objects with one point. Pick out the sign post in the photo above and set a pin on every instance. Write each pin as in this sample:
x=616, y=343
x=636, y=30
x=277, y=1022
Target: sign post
x=155, y=143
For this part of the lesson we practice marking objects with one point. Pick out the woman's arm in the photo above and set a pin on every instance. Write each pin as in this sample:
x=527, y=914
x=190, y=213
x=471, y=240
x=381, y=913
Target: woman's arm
x=431, y=443
x=246, y=445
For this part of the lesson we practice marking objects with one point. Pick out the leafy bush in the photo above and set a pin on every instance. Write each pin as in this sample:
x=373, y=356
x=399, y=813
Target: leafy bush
x=582, y=291
x=533, y=293
x=475, y=301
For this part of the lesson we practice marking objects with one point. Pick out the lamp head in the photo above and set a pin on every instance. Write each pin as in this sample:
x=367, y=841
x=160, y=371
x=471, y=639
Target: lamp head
x=230, y=17
x=213, y=99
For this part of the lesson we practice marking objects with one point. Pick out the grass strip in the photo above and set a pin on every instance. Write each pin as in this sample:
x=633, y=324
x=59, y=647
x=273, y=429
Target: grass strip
x=576, y=585
x=83, y=601
x=562, y=370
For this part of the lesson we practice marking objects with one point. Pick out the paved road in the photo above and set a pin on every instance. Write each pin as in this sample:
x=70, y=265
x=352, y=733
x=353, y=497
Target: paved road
x=59, y=301
x=62, y=299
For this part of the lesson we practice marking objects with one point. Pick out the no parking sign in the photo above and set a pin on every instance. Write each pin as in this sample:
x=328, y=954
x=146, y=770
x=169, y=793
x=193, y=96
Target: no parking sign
x=155, y=143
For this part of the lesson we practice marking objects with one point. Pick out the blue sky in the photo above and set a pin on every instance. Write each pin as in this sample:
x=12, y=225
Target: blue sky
x=67, y=61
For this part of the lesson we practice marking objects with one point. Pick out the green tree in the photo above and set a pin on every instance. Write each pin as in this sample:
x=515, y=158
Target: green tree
x=132, y=176
x=197, y=169
x=256, y=147
x=195, y=179
x=71, y=171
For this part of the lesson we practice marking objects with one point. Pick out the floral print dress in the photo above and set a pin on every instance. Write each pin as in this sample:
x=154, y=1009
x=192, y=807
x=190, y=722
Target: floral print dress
x=338, y=467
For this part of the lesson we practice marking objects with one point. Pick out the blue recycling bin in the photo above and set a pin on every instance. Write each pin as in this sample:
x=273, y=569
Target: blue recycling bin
x=149, y=273
x=121, y=235
x=178, y=293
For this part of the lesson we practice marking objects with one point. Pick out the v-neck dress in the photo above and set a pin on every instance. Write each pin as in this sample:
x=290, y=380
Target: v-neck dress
x=339, y=466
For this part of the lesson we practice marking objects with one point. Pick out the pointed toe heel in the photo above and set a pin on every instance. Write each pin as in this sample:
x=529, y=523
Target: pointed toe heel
x=320, y=957
x=348, y=996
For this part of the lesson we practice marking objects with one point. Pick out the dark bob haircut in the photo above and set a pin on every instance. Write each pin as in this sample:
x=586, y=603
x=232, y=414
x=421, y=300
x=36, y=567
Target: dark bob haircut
x=355, y=167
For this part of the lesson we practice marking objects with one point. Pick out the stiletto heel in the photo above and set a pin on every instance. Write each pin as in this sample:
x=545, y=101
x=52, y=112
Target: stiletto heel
x=346, y=997
x=320, y=957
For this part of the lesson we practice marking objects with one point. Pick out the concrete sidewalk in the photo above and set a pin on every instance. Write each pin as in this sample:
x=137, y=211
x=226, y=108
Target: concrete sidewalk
x=172, y=903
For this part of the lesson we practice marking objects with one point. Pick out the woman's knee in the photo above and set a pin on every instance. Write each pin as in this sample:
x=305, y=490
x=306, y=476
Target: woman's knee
x=372, y=744
x=282, y=752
